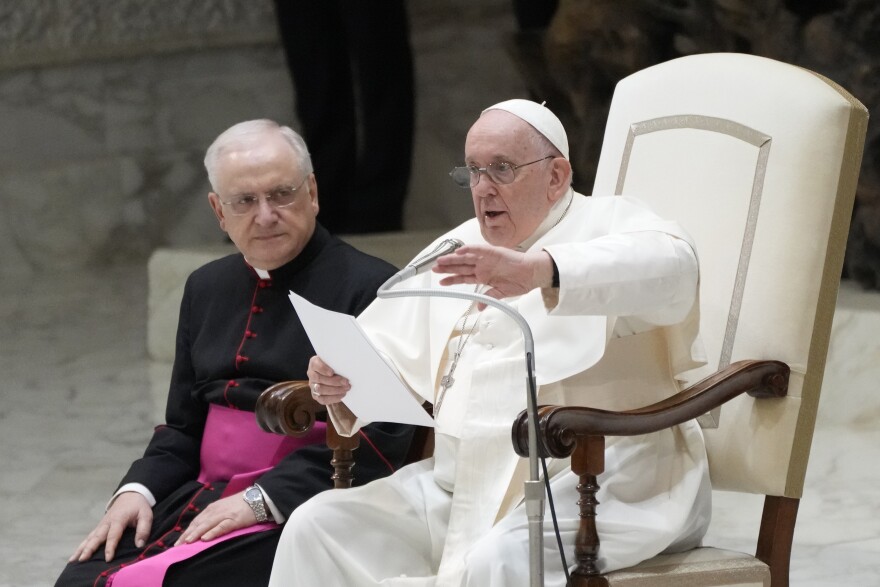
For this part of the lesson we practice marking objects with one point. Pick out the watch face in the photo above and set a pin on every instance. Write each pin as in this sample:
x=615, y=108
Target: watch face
x=252, y=494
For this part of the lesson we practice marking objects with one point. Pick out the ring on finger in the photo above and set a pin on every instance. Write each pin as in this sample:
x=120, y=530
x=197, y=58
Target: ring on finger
x=315, y=390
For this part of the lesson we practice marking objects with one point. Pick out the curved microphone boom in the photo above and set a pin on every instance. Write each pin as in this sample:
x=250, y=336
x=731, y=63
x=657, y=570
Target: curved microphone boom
x=533, y=488
x=424, y=262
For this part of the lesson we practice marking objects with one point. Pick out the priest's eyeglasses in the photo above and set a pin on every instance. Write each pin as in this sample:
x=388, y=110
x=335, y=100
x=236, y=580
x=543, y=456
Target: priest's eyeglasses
x=280, y=197
x=501, y=172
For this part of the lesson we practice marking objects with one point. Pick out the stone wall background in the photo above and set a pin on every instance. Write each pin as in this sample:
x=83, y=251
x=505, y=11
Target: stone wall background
x=107, y=107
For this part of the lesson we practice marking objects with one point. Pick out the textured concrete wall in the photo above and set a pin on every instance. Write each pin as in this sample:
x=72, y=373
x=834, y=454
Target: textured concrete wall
x=107, y=106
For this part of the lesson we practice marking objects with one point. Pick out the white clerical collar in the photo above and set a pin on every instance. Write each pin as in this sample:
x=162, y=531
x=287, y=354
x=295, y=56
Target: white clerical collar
x=554, y=217
x=261, y=273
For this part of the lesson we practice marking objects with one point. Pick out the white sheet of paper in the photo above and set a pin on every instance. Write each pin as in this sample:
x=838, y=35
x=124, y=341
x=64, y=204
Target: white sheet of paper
x=377, y=394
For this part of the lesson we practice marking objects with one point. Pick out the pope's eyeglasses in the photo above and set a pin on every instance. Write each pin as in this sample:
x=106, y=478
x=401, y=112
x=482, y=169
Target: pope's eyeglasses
x=501, y=172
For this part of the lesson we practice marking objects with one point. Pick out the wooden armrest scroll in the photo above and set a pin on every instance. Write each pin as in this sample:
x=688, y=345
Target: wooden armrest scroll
x=288, y=408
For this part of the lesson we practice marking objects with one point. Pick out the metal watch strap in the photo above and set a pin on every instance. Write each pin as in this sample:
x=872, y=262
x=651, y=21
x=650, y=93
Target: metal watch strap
x=258, y=505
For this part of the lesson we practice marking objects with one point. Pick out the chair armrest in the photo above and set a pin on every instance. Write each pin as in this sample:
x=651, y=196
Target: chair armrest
x=287, y=408
x=559, y=426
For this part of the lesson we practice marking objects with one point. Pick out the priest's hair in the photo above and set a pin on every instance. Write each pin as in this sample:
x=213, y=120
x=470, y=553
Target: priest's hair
x=237, y=133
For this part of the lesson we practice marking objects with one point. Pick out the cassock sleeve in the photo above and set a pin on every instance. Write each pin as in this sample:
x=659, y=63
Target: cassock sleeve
x=172, y=456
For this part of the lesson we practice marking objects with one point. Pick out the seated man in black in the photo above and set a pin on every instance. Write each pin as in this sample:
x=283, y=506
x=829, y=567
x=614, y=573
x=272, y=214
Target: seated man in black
x=205, y=504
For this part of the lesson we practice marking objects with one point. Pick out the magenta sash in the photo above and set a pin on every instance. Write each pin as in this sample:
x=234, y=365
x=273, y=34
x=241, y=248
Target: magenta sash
x=234, y=445
x=234, y=449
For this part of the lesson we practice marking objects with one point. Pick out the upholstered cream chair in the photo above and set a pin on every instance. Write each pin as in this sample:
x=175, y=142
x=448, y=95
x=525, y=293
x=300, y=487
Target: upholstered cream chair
x=758, y=160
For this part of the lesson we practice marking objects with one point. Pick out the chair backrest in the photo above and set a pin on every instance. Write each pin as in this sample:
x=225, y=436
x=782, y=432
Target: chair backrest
x=758, y=160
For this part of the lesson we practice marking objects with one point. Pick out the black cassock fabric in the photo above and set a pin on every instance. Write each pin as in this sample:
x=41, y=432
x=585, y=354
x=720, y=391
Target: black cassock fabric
x=237, y=335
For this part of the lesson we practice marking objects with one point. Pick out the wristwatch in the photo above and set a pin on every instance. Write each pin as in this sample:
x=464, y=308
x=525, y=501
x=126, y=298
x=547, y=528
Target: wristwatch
x=253, y=495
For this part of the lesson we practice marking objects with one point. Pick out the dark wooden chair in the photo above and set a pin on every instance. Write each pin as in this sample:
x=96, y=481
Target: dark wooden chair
x=289, y=408
x=758, y=161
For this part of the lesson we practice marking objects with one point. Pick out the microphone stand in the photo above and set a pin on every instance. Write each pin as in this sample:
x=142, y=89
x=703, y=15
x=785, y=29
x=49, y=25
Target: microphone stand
x=534, y=489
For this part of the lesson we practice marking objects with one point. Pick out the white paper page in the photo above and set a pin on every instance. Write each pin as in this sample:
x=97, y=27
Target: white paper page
x=377, y=394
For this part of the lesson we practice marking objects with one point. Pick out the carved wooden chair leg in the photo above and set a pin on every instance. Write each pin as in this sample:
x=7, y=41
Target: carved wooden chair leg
x=588, y=462
x=343, y=457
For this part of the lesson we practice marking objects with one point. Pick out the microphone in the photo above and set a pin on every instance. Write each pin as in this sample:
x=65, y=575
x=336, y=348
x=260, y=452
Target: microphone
x=533, y=489
x=424, y=262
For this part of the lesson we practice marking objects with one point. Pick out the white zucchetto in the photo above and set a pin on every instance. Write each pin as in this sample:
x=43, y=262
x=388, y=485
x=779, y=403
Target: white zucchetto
x=540, y=118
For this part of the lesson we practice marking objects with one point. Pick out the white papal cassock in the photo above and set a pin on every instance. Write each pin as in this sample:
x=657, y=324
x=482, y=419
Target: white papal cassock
x=621, y=325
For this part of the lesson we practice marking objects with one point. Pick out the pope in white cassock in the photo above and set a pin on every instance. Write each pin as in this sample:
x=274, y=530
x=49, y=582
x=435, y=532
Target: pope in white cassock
x=610, y=292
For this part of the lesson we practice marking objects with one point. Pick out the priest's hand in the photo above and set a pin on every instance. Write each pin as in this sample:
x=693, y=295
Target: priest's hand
x=328, y=387
x=129, y=509
x=219, y=518
x=508, y=273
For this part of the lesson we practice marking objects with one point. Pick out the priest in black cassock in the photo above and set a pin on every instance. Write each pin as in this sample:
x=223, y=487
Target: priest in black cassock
x=205, y=504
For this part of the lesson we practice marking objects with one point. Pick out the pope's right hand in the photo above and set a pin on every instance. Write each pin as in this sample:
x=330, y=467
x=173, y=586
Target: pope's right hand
x=129, y=509
x=328, y=387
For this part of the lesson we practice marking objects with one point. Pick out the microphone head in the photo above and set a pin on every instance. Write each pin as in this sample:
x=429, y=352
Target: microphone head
x=454, y=243
x=424, y=262
x=444, y=247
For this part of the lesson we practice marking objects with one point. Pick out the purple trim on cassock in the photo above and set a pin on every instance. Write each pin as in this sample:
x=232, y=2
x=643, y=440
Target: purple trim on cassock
x=234, y=449
x=233, y=444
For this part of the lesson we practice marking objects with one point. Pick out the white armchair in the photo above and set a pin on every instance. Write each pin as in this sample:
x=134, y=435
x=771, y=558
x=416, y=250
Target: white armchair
x=758, y=160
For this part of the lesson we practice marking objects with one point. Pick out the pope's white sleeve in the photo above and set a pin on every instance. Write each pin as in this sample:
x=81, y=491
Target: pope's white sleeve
x=647, y=275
